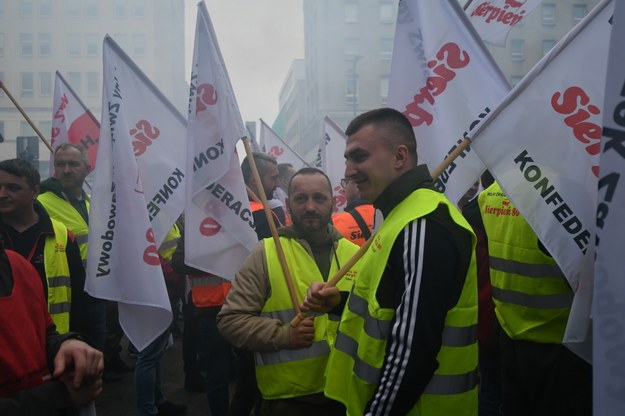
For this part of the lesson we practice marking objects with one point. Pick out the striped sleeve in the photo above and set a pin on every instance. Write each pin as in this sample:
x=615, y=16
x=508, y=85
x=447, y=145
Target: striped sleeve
x=421, y=285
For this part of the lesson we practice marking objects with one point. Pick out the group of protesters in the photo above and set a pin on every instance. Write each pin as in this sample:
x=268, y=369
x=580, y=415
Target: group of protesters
x=428, y=309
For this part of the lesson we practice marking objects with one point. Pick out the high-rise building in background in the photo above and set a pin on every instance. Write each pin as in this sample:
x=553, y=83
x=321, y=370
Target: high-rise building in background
x=39, y=37
x=348, y=49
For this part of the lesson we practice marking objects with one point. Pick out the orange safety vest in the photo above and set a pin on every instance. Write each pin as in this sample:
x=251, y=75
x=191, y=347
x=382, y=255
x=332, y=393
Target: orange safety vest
x=208, y=290
x=348, y=225
x=257, y=206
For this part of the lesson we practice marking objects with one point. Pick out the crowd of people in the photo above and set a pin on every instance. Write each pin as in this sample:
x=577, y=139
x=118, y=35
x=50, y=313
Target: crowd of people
x=448, y=311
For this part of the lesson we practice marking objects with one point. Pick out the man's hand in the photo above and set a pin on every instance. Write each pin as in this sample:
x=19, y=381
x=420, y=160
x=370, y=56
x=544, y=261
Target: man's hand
x=303, y=335
x=321, y=298
x=80, y=368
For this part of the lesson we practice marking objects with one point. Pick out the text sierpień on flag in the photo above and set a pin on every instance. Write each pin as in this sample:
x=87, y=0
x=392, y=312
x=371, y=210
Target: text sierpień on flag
x=609, y=285
x=72, y=122
x=444, y=81
x=219, y=231
x=138, y=193
x=493, y=19
x=542, y=145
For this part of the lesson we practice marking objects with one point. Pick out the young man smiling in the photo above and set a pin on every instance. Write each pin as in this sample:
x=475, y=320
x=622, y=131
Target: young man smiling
x=406, y=341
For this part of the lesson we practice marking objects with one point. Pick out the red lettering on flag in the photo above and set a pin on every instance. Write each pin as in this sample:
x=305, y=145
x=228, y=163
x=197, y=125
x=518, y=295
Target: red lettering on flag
x=275, y=151
x=206, y=95
x=150, y=254
x=575, y=104
x=143, y=135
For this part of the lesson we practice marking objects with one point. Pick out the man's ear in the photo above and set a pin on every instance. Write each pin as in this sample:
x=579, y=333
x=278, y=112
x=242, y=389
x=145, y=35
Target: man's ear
x=36, y=190
x=402, y=156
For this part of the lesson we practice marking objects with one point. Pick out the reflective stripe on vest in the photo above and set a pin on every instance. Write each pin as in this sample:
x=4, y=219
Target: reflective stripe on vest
x=169, y=244
x=355, y=367
x=292, y=373
x=208, y=290
x=57, y=276
x=531, y=295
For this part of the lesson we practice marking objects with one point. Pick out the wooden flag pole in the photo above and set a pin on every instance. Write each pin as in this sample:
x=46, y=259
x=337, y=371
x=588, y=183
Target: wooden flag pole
x=21, y=110
x=272, y=227
x=361, y=251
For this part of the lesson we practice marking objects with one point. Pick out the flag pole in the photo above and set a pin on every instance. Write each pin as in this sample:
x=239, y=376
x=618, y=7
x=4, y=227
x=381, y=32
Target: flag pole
x=272, y=226
x=361, y=251
x=467, y=4
x=21, y=110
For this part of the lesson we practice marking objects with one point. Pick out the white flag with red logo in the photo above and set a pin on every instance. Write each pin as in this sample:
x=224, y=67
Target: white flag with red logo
x=72, y=122
x=332, y=152
x=493, y=19
x=542, y=145
x=609, y=282
x=138, y=189
x=278, y=149
x=445, y=82
x=219, y=231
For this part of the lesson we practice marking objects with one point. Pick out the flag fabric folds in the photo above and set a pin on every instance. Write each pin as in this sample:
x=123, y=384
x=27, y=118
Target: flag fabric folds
x=278, y=149
x=72, y=122
x=138, y=193
x=219, y=231
x=542, y=145
x=332, y=152
x=493, y=19
x=609, y=283
x=445, y=81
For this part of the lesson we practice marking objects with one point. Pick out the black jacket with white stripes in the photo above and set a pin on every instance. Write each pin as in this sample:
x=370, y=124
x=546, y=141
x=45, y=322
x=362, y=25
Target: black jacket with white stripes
x=415, y=338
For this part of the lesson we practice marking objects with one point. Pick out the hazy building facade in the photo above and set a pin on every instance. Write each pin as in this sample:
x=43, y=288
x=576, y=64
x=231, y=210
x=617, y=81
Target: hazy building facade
x=39, y=37
x=348, y=50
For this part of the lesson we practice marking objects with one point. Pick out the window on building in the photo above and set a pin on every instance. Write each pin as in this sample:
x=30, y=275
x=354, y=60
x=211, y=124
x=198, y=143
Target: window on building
x=548, y=15
x=45, y=44
x=517, y=49
x=386, y=48
x=27, y=8
x=547, y=45
x=384, y=89
x=45, y=84
x=93, y=84
x=93, y=44
x=27, y=84
x=26, y=44
x=387, y=12
x=73, y=44
x=351, y=12
x=352, y=47
x=74, y=80
x=351, y=88
x=138, y=9
x=122, y=40
x=120, y=8
x=579, y=11
x=138, y=44
x=91, y=8
x=1, y=44
x=2, y=3
x=73, y=8
x=45, y=8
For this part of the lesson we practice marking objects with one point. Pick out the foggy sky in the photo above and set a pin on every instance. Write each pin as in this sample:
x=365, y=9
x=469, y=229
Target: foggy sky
x=258, y=40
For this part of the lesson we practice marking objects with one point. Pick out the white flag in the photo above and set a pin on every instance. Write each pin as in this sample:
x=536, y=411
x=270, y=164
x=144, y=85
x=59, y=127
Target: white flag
x=444, y=81
x=493, y=19
x=219, y=231
x=542, y=145
x=278, y=149
x=138, y=187
x=609, y=283
x=332, y=159
x=72, y=122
